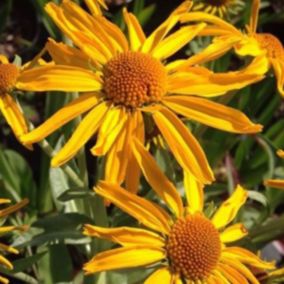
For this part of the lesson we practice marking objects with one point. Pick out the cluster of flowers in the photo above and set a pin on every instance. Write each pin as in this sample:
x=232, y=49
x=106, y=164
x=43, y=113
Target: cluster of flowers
x=121, y=82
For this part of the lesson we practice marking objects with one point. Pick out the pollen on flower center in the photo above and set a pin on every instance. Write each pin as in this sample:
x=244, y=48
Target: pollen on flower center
x=194, y=247
x=271, y=44
x=8, y=76
x=133, y=79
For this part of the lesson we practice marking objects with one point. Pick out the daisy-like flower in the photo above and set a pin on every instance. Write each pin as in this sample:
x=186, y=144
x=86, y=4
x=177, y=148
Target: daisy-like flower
x=221, y=8
x=187, y=246
x=127, y=81
x=6, y=229
x=251, y=43
x=276, y=183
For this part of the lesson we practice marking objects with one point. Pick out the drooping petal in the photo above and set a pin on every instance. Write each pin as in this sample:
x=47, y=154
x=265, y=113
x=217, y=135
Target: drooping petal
x=162, y=275
x=13, y=115
x=275, y=183
x=126, y=257
x=158, y=34
x=4, y=201
x=246, y=257
x=278, y=67
x=183, y=145
x=61, y=117
x=63, y=54
x=173, y=43
x=194, y=193
x=135, y=31
x=249, y=46
x=58, y=78
x=8, y=249
x=87, y=127
x=212, y=114
x=126, y=236
x=4, y=59
x=158, y=181
x=95, y=6
x=6, y=211
x=4, y=261
x=133, y=171
x=112, y=125
x=233, y=275
x=140, y=208
x=254, y=16
x=233, y=233
x=229, y=209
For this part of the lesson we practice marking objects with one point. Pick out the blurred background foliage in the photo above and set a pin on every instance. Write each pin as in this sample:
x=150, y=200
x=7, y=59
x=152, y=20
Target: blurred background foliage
x=54, y=250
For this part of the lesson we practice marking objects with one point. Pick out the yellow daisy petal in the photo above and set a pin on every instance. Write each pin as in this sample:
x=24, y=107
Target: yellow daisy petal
x=9, y=249
x=183, y=145
x=13, y=208
x=4, y=201
x=229, y=209
x=194, y=193
x=135, y=32
x=254, y=16
x=124, y=258
x=126, y=236
x=141, y=209
x=233, y=275
x=233, y=233
x=13, y=115
x=81, y=135
x=162, y=275
x=4, y=59
x=280, y=153
x=278, y=67
x=58, y=78
x=4, y=261
x=61, y=117
x=212, y=114
x=112, y=125
x=95, y=6
x=275, y=183
x=4, y=280
x=158, y=181
x=171, y=44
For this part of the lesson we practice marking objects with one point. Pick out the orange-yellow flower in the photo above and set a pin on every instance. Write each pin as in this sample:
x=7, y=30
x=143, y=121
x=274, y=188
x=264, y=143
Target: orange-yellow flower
x=187, y=246
x=6, y=229
x=126, y=81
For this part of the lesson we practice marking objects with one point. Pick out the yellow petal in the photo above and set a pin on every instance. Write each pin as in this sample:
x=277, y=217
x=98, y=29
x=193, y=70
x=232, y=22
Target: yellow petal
x=133, y=171
x=158, y=181
x=275, y=183
x=183, y=145
x=249, y=46
x=4, y=261
x=13, y=115
x=212, y=114
x=4, y=59
x=63, y=54
x=246, y=257
x=95, y=6
x=61, y=117
x=280, y=153
x=126, y=236
x=229, y=209
x=4, y=280
x=278, y=67
x=4, y=201
x=254, y=16
x=7, y=211
x=233, y=275
x=205, y=17
x=112, y=125
x=124, y=258
x=9, y=249
x=193, y=192
x=141, y=209
x=58, y=78
x=135, y=31
x=162, y=275
x=173, y=43
x=233, y=233
x=159, y=33
x=87, y=127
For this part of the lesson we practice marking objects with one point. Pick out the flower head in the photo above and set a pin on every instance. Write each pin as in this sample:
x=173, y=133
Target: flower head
x=6, y=229
x=187, y=245
x=221, y=8
x=128, y=80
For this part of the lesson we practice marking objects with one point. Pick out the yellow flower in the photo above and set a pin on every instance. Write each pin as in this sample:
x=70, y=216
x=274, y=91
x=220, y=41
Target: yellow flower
x=127, y=81
x=221, y=8
x=251, y=43
x=6, y=229
x=276, y=183
x=187, y=245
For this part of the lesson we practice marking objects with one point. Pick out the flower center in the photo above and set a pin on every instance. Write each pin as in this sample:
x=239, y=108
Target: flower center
x=133, y=79
x=217, y=3
x=8, y=76
x=194, y=247
x=271, y=44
